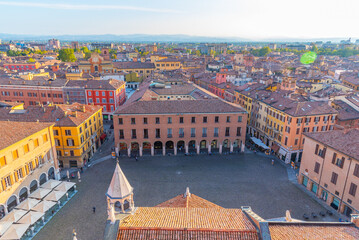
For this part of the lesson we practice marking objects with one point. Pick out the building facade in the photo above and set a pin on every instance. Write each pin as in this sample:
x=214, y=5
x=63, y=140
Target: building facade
x=27, y=160
x=330, y=168
x=162, y=127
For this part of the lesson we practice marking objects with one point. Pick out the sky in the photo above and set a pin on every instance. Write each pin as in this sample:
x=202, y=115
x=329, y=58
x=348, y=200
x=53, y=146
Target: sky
x=253, y=19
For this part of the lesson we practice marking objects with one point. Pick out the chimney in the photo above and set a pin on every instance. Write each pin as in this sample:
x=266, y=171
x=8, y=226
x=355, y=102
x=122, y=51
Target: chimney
x=355, y=219
x=83, y=108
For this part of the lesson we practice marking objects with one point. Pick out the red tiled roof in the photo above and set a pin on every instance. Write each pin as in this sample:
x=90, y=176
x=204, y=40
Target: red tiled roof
x=192, y=201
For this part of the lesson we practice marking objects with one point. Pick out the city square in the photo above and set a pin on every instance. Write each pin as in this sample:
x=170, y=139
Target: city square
x=230, y=181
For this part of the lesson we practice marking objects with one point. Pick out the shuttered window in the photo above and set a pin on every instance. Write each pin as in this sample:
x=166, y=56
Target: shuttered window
x=316, y=167
x=352, y=189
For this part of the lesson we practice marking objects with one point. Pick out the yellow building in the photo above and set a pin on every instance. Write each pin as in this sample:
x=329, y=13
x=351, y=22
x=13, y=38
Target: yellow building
x=168, y=64
x=77, y=134
x=27, y=160
x=155, y=57
x=77, y=129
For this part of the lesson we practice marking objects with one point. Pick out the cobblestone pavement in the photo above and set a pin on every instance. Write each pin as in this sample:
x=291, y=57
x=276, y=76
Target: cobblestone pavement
x=230, y=181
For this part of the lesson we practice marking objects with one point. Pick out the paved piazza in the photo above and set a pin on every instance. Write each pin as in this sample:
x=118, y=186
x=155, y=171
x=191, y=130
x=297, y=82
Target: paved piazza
x=230, y=181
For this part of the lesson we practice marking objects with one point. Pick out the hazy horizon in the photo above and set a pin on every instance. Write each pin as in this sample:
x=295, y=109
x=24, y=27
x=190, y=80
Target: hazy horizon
x=248, y=19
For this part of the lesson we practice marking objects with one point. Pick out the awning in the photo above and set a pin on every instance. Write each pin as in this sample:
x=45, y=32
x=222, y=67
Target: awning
x=43, y=206
x=259, y=143
x=55, y=196
x=4, y=226
x=103, y=135
x=282, y=152
x=31, y=217
x=27, y=204
x=50, y=184
x=16, y=231
x=65, y=186
x=40, y=193
x=275, y=147
x=13, y=216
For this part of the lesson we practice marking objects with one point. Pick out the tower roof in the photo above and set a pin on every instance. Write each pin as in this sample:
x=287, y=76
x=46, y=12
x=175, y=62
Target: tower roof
x=119, y=187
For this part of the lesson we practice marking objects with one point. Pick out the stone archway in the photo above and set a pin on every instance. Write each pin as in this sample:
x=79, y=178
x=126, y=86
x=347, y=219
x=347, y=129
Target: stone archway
x=237, y=145
x=42, y=178
x=11, y=202
x=51, y=173
x=214, y=146
x=181, y=147
x=158, y=146
x=226, y=145
x=23, y=194
x=169, y=147
x=203, y=146
x=33, y=186
x=146, y=148
x=122, y=148
x=192, y=146
x=135, y=149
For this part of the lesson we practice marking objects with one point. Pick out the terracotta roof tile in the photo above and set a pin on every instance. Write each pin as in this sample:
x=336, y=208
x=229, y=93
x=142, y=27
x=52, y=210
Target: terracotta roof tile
x=193, y=202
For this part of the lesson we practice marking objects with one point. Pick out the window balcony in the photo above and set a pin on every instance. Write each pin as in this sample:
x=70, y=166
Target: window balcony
x=215, y=135
x=169, y=135
x=204, y=134
x=181, y=135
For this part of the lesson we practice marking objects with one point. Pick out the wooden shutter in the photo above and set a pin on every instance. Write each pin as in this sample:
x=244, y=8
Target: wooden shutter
x=316, y=149
x=356, y=170
x=323, y=153
x=334, y=158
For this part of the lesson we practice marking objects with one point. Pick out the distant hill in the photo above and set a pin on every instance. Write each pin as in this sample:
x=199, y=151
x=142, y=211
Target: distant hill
x=152, y=38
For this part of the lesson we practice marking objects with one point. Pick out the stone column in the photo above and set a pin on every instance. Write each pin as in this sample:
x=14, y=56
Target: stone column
x=140, y=151
x=197, y=149
x=175, y=150
x=129, y=151
x=242, y=148
x=209, y=148
x=220, y=148
x=231, y=148
x=163, y=150
x=186, y=148
x=116, y=150
x=5, y=209
x=152, y=150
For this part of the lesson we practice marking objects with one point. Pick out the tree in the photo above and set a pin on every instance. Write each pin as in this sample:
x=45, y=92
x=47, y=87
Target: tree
x=264, y=51
x=31, y=60
x=314, y=48
x=67, y=55
x=198, y=53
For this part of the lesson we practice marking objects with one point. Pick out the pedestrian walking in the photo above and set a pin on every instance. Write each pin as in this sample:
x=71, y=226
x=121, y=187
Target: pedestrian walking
x=273, y=162
x=94, y=209
x=136, y=159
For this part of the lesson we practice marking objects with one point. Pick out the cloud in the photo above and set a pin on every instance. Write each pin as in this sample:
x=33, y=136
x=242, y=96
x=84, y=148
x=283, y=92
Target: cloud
x=84, y=7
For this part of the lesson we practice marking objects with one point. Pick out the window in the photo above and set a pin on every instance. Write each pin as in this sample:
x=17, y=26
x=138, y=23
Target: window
x=157, y=120
x=7, y=181
x=59, y=153
x=111, y=100
x=239, y=118
x=181, y=120
x=169, y=120
x=15, y=154
x=145, y=133
x=104, y=100
x=68, y=132
x=316, y=167
x=227, y=132
x=103, y=94
x=2, y=161
x=133, y=120
x=90, y=100
x=145, y=121
x=334, y=178
x=72, y=153
x=296, y=141
x=215, y=134
x=216, y=119
x=193, y=132
x=169, y=132
x=120, y=121
x=56, y=133
x=204, y=119
x=111, y=94
x=204, y=132
x=316, y=149
x=158, y=133
x=228, y=119
x=19, y=173
x=45, y=138
x=181, y=132
x=30, y=166
x=97, y=94
x=26, y=148
x=85, y=125
x=133, y=131
x=82, y=139
x=286, y=141
x=352, y=189
x=193, y=120
x=239, y=131
x=70, y=142
x=355, y=173
x=57, y=142
x=121, y=134
x=297, y=131
x=89, y=93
